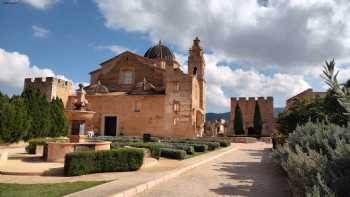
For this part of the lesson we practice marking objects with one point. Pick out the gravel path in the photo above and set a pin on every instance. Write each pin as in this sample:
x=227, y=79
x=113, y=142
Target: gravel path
x=248, y=171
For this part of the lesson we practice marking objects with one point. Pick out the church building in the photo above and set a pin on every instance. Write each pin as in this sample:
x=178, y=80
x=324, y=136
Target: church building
x=132, y=94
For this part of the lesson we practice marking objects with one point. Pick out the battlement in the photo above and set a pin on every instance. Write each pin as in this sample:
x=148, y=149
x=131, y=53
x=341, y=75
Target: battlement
x=47, y=80
x=251, y=99
x=51, y=87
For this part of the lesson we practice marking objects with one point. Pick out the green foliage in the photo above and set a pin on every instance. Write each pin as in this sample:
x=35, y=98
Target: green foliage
x=15, y=120
x=115, y=160
x=334, y=111
x=39, y=110
x=200, y=147
x=317, y=160
x=257, y=120
x=59, y=123
x=222, y=142
x=152, y=146
x=173, y=153
x=238, y=122
x=31, y=148
x=299, y=114
x=181, y=146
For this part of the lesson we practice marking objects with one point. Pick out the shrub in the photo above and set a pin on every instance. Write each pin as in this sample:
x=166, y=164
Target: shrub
x=173, y=153
x=152, y=146
x=31, y=148
x=200, y=147
x=146, y=137
x=212, y=145
x=115, y=160
x=181, y=146
x=316, y=160
x=224, y=143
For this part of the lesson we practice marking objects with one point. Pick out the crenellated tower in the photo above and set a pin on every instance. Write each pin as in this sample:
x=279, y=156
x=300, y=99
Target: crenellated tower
x=196, y=67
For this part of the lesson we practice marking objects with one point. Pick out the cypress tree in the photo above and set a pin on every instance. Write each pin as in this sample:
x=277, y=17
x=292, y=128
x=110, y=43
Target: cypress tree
x=59, y=123
x=238, y=122
x=39, y=110
x=257, y=120
x=15, y=120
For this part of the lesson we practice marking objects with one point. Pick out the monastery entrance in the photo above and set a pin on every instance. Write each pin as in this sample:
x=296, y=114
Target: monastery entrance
x=110, y=126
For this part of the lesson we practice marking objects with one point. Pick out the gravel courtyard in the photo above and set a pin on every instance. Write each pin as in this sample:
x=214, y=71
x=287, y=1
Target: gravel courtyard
x=249, y=171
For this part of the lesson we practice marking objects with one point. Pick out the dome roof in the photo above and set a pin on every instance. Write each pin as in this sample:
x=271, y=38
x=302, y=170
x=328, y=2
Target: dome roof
x=159, y=51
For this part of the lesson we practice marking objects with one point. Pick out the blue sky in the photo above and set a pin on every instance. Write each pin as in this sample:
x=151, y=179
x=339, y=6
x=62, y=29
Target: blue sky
x=251, y=50
x=70, y=48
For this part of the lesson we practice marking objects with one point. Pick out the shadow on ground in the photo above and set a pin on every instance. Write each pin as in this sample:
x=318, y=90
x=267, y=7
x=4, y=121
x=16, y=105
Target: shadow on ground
x=257, y=178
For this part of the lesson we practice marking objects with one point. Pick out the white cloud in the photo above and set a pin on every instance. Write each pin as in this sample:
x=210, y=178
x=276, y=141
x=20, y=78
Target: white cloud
x=116, y=49
x=16, y=66
x=225, y=82
x=294, y=35
x=40, y=4
x=40, y=32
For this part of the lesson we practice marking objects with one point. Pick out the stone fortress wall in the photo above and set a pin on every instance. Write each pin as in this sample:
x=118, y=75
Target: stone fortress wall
x=247, y=106
x=51, y=87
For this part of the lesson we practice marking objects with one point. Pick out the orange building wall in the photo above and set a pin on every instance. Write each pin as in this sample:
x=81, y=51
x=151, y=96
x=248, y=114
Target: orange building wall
x=247, y=107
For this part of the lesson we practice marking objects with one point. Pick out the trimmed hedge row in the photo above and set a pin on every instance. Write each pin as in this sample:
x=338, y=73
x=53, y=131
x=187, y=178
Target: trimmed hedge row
x=200, y=147
x=125, y=138
x=152, y=146
x=115, y=160
x=173, y=153
x=186, y=147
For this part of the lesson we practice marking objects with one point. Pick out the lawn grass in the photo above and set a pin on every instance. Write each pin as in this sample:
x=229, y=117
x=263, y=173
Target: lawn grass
x=50, y=190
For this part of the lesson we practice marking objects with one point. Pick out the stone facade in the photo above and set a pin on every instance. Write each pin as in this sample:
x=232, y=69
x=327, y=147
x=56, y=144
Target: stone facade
x=247, y=107
x=215, y=128
x=306, y=95
x=133, y=95
x=51, y=87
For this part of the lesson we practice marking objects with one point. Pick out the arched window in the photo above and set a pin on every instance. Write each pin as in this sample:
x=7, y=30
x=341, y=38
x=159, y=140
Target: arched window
x=195, y=70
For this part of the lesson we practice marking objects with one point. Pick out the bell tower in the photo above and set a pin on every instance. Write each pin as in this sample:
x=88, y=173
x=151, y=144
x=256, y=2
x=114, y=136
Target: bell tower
x=196, y=64
x=196, y=67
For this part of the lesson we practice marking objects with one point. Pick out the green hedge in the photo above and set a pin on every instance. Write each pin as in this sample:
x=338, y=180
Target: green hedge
x=173, y=153
x=200, y=147
x=115, y=160
x=222, y=142
x=181, y=146
x=31, y=148
x=152, y=146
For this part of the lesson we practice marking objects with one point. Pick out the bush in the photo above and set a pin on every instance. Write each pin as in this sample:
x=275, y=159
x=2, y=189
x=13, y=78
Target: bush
x=200, y=147
x=173, y=153
x=212, y=145
x=152, y=146
x=181, y=146
x=31, y=148
x=316, y=160
x=115, y=160
x=224, y=143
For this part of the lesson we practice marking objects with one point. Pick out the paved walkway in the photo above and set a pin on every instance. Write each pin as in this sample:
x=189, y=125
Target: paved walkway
x=246, y=172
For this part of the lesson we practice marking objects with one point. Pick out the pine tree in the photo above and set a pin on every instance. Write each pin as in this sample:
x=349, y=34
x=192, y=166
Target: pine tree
x=59, y=123
x=257, y=120
x=39, y=110
x=238, y=122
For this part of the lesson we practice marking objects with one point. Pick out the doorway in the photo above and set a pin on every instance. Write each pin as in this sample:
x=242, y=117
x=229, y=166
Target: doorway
x=110, y=126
